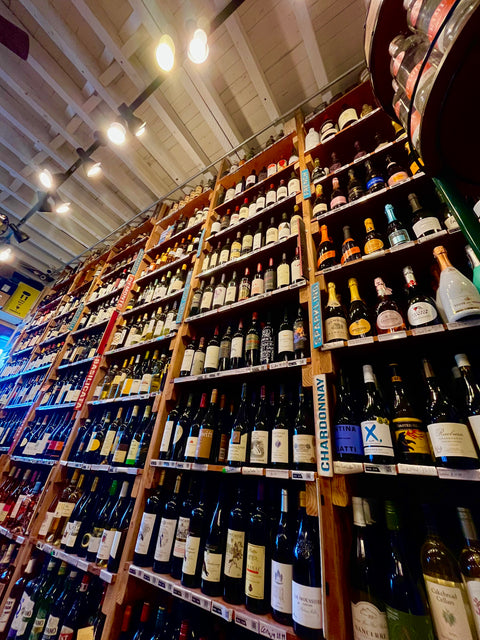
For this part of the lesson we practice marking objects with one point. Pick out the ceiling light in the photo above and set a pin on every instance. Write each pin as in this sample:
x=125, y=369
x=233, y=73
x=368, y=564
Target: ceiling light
x=6, y=253
x=137, y=126
x=45, y=178
x=62, y=207
x=165, y=53
x=117, y=133
x=92, y=169
x=18, y=234
x=198, y=47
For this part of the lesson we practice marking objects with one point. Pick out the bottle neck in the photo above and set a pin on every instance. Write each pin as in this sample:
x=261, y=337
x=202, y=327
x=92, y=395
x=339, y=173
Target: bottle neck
x=354, y=294
x=332, y=296
x=468, y=527
x=443, y=261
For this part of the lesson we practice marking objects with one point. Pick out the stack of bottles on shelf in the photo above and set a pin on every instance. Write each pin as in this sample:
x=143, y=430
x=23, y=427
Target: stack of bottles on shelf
x=9, y=426
x=423, y=428
x=46, y=435
x=256, y=549
x=138, y=374
x=183, y=248
x=19, y=494
x=194, y=193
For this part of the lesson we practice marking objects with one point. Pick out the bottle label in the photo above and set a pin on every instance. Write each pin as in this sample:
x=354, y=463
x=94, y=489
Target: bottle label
x=285, y=341
x=377, y=439
x=282, y=192
x=304, y=448
x=398, y=176
x=132, y=453
x=296, y=269
x=107, y=443
x=322, y=207
x=293, y=186
x=451, y=439
x=178, y=433
x=204, y=445
x=198, y=363
x=207, y=300
x=145, y=533
x=347, y=117
x=237, y=347
x=348, y=439
x=255, y=574
x=270, y=198
x=224, y=256
x=23, y=615
x=7, y=610
x=426, y=225
x=244, y=292
x=451, y=223
x=106, y=543
x=279, y=445
x=257, y=241
x=257, y=287
x=237, y=447
x=447, y=606
x=376, y=181
x=335, y=329
x=368, y=622
x=398, y=237
x=94, y=541
x=38, y=625
x=473, y=590
x=181, y=537
x=66, y=633
x=459, y=296
x=252, y=342
x=117, y=539
x=327, y=255
x=251, y=179
x=349, y=253
x=243, y=213
x=260, y=203
x=267, y=346
x=307, y=605
x=390, y=320
x=234, y=554
x=407, y=625
x=166, y=537
x=212, y=566
x=283, y=275
x=474, y=422
x=225, y=348
x=375, y=244
x=281, y=587
x=46, y=524
x=72, y=534
x=219, y=296
x=231, y=294
x=192, y=547
x=259, y=447
x=272, y=235
x=191, y=447
x=359, y=327
x=51, y=627
x=211, y=357
x=421, y=313
x=338, y=201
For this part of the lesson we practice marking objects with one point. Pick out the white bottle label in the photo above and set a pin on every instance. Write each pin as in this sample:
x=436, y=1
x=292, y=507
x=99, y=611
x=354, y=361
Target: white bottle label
x=145, y=533
x=224, y=256
x=259, y=447
x=319, y=208
x=198, y=363
x=293, y=186
x=94, y=544
x=451, y=439
x=336, y=329
x=283, y=275
x=377, y=439
x=257, y=286
x=448, y=611
x=243, y=213
x=459, y=296
x=234, y=553
x=279, y=445
x=7, y=610
x=106, y=543
x=191, y=447
x=166, y=537
x=421, y=313
x=181, y=537
x=304, y=448
x=389, y=319
x=237, y=451
x=473, y=590
x=260, y=203
x=51, y=627
x=212, y=356
x=46, y=524
x=271, y=235
x=285, y=341
x=368, y=622
x=219, y=297
x=282, y=192
x=166, y=437
x=426, y=225
x=474, y=422
x=23, y=614
x=251, y=179
x=255, y=574
x=271, y=197
x=207, y=300
x=72, y=534
x=192, y=547
x=231, y=295
x=236, y=350
x=212, y=566
x=307, y=605
x=115, y=544
x=281, y=587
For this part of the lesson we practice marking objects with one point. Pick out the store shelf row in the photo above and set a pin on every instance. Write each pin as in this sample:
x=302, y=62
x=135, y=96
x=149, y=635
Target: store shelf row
x=280, y=474
x=349, y=468
x=138, y=345
x=75, y=561
x=244, y=371
x=102, y=468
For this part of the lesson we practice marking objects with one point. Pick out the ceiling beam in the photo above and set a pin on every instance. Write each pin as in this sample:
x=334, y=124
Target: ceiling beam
x=305, y=27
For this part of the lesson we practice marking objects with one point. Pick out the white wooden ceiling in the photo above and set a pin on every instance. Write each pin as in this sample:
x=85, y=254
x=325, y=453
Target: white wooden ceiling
x=88, y=56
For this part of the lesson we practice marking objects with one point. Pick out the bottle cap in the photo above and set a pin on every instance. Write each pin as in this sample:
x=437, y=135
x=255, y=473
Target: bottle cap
x=462, y=360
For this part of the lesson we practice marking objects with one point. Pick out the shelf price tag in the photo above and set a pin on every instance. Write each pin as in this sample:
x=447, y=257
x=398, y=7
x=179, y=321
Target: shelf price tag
x=381, y=469
x=269, y=631
x=417, y=469
x=323, y=440
x=459, y=474
x=200, y=601
x=344, y=468
x=316, y=315
x=222, y=611
x=277, y=473
x=246, y=621
x=306, y=190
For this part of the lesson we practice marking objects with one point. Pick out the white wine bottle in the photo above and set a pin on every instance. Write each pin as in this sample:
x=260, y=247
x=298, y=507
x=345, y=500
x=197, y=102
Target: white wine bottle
x=469, y=562
x=459, y=296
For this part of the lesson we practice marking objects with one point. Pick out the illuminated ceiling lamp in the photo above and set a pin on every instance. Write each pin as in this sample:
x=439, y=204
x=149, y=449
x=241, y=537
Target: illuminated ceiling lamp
x=117, y=133
x=46, y=179
x=165, y=53
x=135, y=125
x=62, y=207
x=198, y=47
x=6, y=253
x=91, y=167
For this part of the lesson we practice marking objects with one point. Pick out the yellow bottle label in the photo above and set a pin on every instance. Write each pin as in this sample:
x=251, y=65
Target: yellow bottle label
x=373, y=245
x=409, y=438
x=359, y=327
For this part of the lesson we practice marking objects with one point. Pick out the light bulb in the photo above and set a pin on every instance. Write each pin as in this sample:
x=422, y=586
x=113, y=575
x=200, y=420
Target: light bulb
x=117, y=133
x=93, y=169
x=62, y=207
x=198, y=47
x=141, y=130
x=165, y=53
x=45, y=178
x=6, y=254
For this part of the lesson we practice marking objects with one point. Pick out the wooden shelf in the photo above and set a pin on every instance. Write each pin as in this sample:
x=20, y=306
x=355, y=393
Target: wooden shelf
x=279, y=474
x=244, y=371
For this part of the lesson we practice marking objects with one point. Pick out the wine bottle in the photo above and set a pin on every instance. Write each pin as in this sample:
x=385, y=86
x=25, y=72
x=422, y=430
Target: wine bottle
x=283, y=273
x=194, y=545
x=252, y=343
x=347, y=430
x=149, y=524
x=350, y=249
x=285, y=348
x=181, y=532
x=44, y=603
x=337, y=197
x=237, y=349
x=320, y=204
x=304, y=456
x=300, y=339
x=366, y=587
x=459, y=297
x=474, y=264
x=411, y=437
x=374, y=180
x=143, y=631
x=451, y=439
x=373, y=240
x=167, y=530
x=423, y=222
x=388, y=316
x=469, y=563
x=327, y=256
x=334, y=317
x=257, y=579
x=239, y=434
x=192, y=440
x=213, y=557
x=17, y=596
x=260, y=434
x=359, y=325
x=208, y=426
x=470, y=394
x=180, y=434
x=281, y=571
x=234, y=575
x=376, y=434
x=306, y=577
x=421, y=311
x=198, y=361
x=120, y=534
x=113, y=525
x=396, y=232
x=354, y=187
x=281, y=443
x=447, y=594
x=212, y=353
x=225, y=349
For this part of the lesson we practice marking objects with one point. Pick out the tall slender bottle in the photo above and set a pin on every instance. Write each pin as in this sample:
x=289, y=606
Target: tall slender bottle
x=234, y=566
x=347, y=430
x=303, y=437
x=359, y=325
x=257, y=578
x=377, y=438
x=206, y=431
x=148, y=531
x=214, y=554
x=470, y=393
x=281, y=441
x=167, y=530
x=260, y=434
x=335, y=321
x=281, y=572
x=469, y=562
x=181, y=533
x=239, y=435
x=194, y=545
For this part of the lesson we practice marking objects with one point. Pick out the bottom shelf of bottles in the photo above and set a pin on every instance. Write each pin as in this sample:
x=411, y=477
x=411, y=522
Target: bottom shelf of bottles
x=263, y=625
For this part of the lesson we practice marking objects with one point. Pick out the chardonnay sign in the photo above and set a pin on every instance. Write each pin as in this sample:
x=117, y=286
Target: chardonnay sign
x=322, y=426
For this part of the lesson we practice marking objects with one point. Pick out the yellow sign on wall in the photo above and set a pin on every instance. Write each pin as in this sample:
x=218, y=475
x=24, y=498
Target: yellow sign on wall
x=22, y=300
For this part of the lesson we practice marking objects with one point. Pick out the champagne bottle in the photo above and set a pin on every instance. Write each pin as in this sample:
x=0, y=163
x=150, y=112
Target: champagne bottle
x=411, y=437
x=327, y=256
x=359, y=325
x=366, y=588
x=257, y=579
x=377, y=438
x=373, y=240
x=335, y=322
x=447, y=594
x=306, y=577
x=423, y=222
x=337, y=197
x=260, y=434
x=281, y=571
x=347, y=430
x=388, y=316
x=396, y=232
x=469, y=562
x=374, y=180
x=451, y=439
x=167, y=530
x=459, y=297
x=350, y=249
x=213, y=557
x=304, y=436
x=320, y=204
x=421, y=311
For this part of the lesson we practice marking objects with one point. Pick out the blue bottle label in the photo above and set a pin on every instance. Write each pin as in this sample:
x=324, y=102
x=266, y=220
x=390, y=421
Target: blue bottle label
x=348, y=439
x=374, y=181
x=398, y=237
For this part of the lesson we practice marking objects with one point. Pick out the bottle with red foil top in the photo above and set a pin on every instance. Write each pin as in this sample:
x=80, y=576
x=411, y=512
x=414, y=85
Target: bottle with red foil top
x=326, y=251
x=337, y=198
x=388, y=316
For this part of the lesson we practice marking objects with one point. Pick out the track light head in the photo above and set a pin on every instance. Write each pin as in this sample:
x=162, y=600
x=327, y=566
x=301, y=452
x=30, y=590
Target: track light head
x=46, y=179
x=135, y=125
x=91, y=167
x=4, y=224
x=165, y=53
x=18, y=234
x=62, y=207
x=117, y=133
